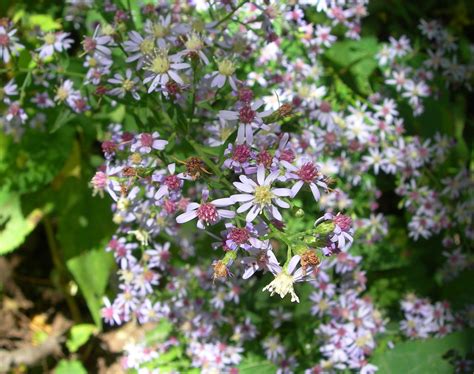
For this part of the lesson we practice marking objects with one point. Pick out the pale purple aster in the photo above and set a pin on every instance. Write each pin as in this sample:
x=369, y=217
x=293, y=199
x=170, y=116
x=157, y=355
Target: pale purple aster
x=127, y=84
x=16, y=113
x=225, y=72
x=9, y=44
x=171, y=183
x=10, y=89
x=138, y=48
x=98, y=44
x=259, y=196
x=260, y=259
x=42, y=100
x=146, y=142
x=54, y=41
x=207, y=213
x=248, y=119
x=194, y=45
x=307, y=173
x=161, y=68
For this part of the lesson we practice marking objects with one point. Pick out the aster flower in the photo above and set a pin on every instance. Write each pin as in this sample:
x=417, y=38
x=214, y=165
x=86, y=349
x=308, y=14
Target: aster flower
x=285, y=278
x=54, y=41
x=9, y=44
x=66, y=92
x=261, y=258
x=138, y=48
x=194, y=46
x=207, y=212
x=259, y=196
x=42, y=100
x=323, y=36
x=125, y=84
x=146, y=142
x=161, y=68
x=248, y=119
x=10, y=89
x=308, y=173
x=98, y=44
x=225, y=72
x=170, y=183
x=163, y=31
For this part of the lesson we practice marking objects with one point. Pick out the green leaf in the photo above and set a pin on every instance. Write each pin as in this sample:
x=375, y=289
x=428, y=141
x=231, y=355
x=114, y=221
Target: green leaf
x=79, y=335
x=159, y=333
x=91, y=271
x=355, y=61
x=69, y=367
x=44, y=21
x=14, y=227
x=29, y=165
x=423, y=356
x=256, y=364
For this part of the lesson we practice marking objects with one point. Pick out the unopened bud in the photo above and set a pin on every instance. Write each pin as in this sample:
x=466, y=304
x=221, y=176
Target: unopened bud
x=299, y=213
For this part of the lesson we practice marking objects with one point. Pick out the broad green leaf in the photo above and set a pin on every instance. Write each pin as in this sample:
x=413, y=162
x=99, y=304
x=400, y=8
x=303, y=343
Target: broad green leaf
x=34, y=162
x=355, y=61
x=423, y=356
x=69, y=367
x=14, y=226
x=255, y=364
x=79, y=335
x=91, y=271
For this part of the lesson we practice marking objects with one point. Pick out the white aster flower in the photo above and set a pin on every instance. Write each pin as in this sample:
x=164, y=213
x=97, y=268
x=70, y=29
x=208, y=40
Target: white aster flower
x=260, y=196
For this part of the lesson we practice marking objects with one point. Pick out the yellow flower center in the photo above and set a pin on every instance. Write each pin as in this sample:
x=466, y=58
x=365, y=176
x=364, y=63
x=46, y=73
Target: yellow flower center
x=160, y=31
x=108, y=30
x=160, y=63
x=194, y=42
x=226, y=67
x=263, y=195
x=146, y=46
x=127, y=84
x=49, y=38
x=198, y=25
x=92, y=62
x=62, y=94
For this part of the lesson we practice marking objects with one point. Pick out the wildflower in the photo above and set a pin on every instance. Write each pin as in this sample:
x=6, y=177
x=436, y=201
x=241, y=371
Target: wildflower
x=259, y=196
x=54, y=41
x=161, y=68
x=9, y=44
x=225, y=72
x=170, y=183
x=194, y=46
x=10, y=89
x=308, y=173
x=207, y=212
x=138, y=48
x=98, y=44
x=285, y=278
x=248, y=119
x=126, y=84
x=146, y=142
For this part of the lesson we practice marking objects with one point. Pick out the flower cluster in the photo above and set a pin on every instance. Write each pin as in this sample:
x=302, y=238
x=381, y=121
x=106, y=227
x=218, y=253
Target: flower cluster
x=424, y=319
x=440, y=56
